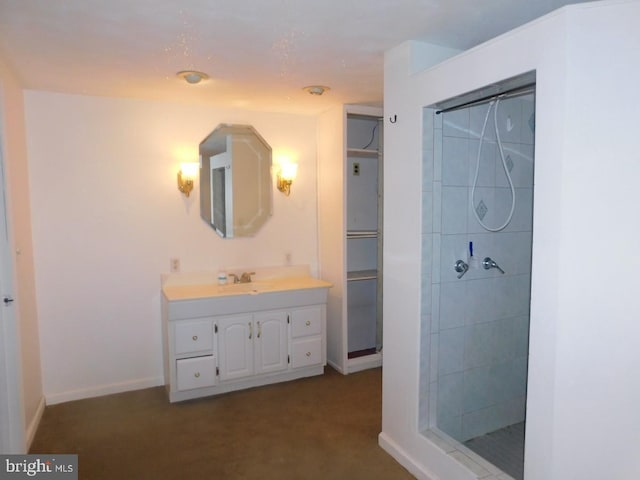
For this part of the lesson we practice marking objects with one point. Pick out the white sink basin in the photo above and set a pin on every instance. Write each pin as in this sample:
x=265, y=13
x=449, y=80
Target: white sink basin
x=253, y=287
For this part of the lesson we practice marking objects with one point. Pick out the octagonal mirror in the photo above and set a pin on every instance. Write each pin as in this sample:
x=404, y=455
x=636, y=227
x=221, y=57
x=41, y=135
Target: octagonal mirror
x=235, y=180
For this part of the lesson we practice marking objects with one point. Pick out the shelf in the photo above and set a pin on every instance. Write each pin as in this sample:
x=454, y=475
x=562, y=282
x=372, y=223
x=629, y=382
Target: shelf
x=354, y=234
x=362, y=152
x=362, y=275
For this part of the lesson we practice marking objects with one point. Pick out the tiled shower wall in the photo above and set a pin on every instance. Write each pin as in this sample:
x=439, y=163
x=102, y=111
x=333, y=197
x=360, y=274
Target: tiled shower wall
x=475, y=329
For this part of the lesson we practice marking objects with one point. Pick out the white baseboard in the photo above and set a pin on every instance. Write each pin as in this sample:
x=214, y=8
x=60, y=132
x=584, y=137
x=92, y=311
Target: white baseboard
x=32, y=428
x=358, y=364
x=101, y=390
x=393, y=449
x=364, y=363
x=335, y=366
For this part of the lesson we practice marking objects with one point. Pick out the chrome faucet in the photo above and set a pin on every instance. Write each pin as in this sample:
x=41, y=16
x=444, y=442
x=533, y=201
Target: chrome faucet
x=461, y=267
x=487, y=263
x=246, y=277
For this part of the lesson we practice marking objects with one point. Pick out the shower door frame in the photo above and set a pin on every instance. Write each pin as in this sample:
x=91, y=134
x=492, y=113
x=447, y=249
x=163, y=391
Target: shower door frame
x=431, y=271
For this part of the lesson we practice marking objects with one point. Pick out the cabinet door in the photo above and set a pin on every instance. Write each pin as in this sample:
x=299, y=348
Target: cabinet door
x=270, y=341
x=235, y=346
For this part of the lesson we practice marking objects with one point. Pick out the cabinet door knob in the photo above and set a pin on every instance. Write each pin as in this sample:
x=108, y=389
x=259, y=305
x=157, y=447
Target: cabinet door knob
x=308, y=323
x=308, y=354
x=197, y=374
x=195, y=338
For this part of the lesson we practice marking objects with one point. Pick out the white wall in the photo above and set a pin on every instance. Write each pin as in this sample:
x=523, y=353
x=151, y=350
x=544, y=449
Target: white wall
x=107, y=217
x=582, y=415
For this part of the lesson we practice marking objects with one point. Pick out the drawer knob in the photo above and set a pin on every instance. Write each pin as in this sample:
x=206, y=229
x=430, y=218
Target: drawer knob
x=195, y=338
x=308, y=354
x=308, y=323
x=197, y=374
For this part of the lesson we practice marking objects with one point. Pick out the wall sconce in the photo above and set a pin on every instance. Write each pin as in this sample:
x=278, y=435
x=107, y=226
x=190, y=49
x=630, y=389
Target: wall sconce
x=285, y=176
x=186, y=177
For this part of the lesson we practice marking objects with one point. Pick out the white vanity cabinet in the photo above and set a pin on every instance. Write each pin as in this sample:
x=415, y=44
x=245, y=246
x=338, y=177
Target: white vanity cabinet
x=252, y=344
x=216, y=343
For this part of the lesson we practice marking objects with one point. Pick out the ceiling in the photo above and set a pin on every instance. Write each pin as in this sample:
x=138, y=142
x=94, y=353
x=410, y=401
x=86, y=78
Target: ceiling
x=258, y=53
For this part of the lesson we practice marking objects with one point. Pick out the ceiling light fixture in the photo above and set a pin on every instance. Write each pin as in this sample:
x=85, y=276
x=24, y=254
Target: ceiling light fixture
x=192, y=76
x=316, y=89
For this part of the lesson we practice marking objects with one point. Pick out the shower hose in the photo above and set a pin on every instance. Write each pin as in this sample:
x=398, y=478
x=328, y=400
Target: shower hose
x=504, y=165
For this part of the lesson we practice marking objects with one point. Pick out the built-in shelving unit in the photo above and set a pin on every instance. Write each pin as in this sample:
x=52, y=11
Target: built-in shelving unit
x=350, y=220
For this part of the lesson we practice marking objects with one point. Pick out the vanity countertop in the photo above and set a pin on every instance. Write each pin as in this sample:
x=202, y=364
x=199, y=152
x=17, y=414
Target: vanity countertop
x=265, y=286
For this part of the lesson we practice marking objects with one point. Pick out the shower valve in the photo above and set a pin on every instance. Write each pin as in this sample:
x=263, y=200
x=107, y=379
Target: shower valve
x=461, y=267
x=487, y=263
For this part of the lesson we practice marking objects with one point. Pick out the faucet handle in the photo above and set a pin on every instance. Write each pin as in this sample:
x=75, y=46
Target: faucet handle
x=488, y=263
x=246, y=277
x=235, y=278
x=461, y=267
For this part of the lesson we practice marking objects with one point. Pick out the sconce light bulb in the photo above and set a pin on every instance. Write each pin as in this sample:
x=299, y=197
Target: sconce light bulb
x=189, y=169
x=289, y=171
x=186, y=177
x=286, y=172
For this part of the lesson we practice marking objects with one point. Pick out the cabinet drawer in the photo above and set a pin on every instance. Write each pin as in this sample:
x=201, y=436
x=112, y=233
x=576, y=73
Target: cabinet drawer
x=306, y=352
x=305, y=322
x=196, y=372
x=193, y=337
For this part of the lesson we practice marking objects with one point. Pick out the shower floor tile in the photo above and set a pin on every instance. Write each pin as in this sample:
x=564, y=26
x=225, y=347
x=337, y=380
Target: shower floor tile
x=504, y=448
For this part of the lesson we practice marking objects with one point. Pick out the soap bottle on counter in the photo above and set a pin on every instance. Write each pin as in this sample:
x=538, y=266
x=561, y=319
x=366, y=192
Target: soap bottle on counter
x=222, y=277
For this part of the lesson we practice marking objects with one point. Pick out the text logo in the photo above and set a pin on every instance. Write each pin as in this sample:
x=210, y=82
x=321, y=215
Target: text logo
x=50, y=467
